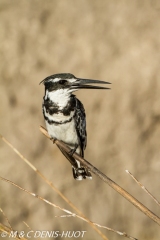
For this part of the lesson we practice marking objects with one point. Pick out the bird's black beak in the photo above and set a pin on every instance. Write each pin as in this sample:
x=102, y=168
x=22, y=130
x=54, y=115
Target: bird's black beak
x=82, y=84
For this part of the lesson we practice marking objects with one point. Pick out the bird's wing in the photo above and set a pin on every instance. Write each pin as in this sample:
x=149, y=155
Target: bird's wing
x=80, y=124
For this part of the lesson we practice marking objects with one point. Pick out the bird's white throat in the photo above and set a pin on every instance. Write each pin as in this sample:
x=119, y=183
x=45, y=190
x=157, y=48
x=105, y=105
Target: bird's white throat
x=59, y=97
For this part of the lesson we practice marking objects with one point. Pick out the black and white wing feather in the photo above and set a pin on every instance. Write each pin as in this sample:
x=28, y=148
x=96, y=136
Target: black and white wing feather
x=80, y=124
x=79, y=171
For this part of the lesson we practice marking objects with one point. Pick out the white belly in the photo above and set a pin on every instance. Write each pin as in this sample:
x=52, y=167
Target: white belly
x=64, y=132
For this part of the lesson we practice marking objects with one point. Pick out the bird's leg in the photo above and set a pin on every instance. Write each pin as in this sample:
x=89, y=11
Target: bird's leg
x=73, y=150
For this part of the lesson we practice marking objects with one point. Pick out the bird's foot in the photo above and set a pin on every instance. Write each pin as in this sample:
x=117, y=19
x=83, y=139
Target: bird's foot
x=53, y=139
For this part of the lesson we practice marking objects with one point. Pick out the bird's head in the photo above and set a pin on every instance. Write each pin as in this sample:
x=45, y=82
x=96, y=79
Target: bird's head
x=69, y=83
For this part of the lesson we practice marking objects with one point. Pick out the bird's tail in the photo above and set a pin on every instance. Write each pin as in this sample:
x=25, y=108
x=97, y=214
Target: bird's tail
x=79, y=171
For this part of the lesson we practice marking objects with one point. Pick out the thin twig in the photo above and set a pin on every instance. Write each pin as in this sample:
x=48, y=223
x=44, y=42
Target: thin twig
x=143, y=187
x=106, y=179
x=7, y=231
x=27, y=226
x=7, y=220
x=52, y=186
x=109, y=229
x=67, y=211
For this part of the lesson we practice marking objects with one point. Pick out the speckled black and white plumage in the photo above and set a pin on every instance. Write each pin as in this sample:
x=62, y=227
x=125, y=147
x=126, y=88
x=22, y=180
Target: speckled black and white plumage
x=80, y=124
x=65, y=116
x=65, y=120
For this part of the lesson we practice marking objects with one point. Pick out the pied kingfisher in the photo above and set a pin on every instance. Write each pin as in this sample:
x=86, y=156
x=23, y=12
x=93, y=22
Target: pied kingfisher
x=65, y=116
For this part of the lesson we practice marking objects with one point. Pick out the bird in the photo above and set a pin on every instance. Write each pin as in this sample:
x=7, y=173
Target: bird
x=65, y=116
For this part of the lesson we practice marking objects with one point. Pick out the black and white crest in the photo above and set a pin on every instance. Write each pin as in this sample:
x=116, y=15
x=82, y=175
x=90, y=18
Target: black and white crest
x=65, y=116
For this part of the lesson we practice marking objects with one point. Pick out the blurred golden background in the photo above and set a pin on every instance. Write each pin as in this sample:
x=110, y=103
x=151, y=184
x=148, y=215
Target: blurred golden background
x=115, y=41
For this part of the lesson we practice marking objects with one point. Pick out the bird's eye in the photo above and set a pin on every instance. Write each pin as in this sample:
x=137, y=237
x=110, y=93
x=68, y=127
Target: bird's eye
x=62, y=81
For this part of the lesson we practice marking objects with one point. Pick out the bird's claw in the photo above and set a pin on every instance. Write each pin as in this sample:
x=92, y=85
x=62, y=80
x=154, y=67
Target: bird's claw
x=53, y=139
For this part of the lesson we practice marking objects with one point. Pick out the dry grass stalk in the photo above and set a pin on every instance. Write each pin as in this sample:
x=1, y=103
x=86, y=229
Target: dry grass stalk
x=7, y=220
x=71, y=214
x=53, y=187
x=143, y=187
x=27, y=226
x=7, y=231
x=106, y=179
